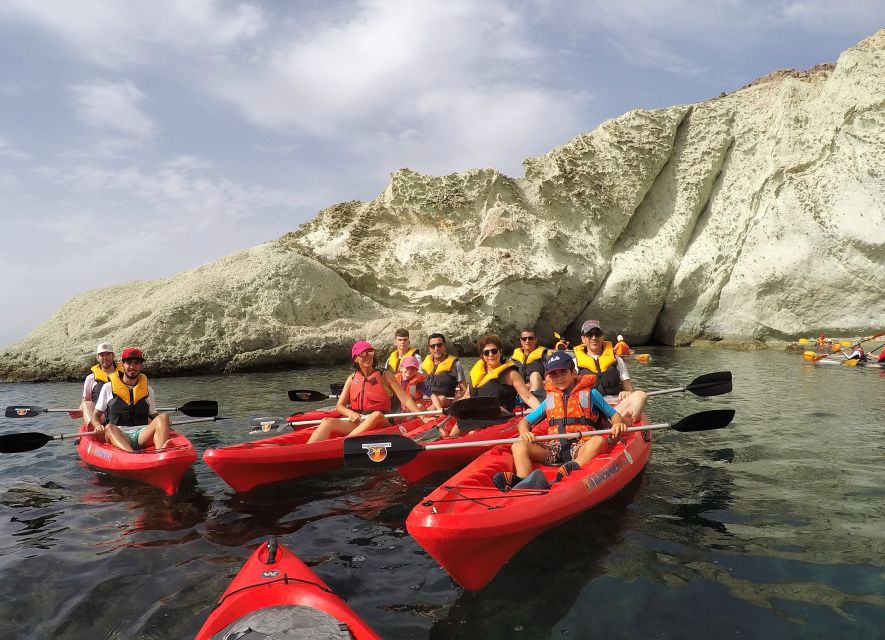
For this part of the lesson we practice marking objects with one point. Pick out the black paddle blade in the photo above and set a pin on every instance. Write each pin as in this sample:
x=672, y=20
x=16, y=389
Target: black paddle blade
x=335, y=388
x=711, y=384
x=705, y=421
x=20, y=442
x=306, y=395
x=474, y=409
x=468, y=424
x=24, y=412
x=200, y=408
x=381, y=451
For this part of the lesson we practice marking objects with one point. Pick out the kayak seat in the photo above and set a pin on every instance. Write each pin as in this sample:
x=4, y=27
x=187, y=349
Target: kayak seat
x=285, y=622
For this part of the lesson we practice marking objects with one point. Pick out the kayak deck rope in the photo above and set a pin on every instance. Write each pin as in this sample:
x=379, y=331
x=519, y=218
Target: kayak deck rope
x=513, y=493
x=285, y=580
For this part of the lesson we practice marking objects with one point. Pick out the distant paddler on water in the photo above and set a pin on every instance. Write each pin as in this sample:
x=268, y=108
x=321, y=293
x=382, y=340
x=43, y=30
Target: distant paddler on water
x=368, y=390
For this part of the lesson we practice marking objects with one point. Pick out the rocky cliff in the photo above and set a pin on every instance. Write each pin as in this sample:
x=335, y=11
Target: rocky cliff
x=756, y=215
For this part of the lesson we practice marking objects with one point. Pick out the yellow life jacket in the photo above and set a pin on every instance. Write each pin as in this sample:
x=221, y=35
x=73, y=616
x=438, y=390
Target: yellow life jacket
x=535, y=355
x=586, y=361
x=100, y=375
x=393, y=359
x=430, y=367
x=129, y=406
x=479, y=376
x=129, y=395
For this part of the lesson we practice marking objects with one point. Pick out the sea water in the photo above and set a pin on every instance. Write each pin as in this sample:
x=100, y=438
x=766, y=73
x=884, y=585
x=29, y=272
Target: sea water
x=771, y=528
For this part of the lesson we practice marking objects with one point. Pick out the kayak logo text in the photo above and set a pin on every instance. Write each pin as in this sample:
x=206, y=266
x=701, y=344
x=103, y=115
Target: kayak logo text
x=270, y=574
x=377, y=451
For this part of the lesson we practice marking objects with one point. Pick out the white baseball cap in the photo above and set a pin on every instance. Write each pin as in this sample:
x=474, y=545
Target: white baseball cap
x=620, y=337
x=104, y=347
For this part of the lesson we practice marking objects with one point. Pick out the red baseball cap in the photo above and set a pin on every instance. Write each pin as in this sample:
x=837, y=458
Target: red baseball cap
x=132, y=353
x=359, y=347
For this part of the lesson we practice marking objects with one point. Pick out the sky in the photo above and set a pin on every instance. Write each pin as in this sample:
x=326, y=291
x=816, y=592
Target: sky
x=139, y=139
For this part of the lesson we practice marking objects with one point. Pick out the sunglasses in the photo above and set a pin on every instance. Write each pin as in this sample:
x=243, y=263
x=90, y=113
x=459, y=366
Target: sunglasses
x=491, y=352
x=436, y=345
x=594, y=333
x=370, y=352
x=526, y=338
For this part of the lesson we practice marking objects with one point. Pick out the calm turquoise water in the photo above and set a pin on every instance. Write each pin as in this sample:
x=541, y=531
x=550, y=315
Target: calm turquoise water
x=774, y=527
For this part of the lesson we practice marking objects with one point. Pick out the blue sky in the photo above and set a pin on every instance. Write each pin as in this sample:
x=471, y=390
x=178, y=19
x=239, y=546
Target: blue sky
x=138, y=139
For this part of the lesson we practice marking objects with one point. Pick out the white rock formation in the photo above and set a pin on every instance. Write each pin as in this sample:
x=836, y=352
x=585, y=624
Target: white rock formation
x=757, y=215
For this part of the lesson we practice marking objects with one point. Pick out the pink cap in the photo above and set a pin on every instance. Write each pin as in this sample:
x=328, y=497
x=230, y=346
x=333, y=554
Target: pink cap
x=359, y=347
x=410, y=361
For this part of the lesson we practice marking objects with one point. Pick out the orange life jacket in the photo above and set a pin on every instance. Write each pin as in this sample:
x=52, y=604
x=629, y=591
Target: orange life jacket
x=411, y=385
x=622, y=349
x=575, y=414
x=367, y=393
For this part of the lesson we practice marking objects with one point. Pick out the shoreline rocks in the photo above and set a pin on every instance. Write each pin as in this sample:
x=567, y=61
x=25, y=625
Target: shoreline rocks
x=751, y=218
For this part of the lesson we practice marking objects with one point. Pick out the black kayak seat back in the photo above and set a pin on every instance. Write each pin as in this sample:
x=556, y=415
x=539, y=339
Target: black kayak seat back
x=285, y=622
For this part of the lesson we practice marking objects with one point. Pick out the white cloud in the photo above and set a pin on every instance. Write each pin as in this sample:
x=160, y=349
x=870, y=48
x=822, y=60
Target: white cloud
x=112, y=34
x=10, y=152
x=10, y=88
x=112, y=109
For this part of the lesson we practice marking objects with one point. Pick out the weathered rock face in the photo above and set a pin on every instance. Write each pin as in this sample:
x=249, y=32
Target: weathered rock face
x=757, y=215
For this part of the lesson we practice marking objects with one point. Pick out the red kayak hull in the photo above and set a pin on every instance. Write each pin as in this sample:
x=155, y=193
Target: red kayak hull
x=433, y=460
x=159, y=468
x=481, y=528
x=287, y=581
x=279, y=458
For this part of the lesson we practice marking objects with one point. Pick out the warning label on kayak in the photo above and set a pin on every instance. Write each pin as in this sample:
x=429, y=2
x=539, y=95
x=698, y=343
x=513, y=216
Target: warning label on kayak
x=602, y=475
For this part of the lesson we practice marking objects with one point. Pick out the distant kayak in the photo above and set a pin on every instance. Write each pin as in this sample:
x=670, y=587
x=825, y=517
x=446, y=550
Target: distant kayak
x=276, y=595
x=859, y=365
x=161, y=468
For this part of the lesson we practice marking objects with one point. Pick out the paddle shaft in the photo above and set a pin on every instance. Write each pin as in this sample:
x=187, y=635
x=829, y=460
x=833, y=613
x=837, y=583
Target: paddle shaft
x=409, y=414
x=179, y=423
x=555, y=436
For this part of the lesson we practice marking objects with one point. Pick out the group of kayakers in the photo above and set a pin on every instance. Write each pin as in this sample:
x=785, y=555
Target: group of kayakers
x=857, y=351
x=562, y=387
x=118, y=403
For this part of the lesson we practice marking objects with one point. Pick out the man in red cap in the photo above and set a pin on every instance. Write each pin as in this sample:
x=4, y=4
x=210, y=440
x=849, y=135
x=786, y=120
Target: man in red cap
x=125, y=411
x=104, y=355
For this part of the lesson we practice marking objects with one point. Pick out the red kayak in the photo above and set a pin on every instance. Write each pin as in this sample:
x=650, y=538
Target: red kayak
x=276, y=593
x=472, y=529
x=161, y=468
x=286, y=457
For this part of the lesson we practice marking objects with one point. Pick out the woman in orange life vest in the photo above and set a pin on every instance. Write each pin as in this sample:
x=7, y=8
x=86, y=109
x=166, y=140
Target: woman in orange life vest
x=572, y=405
x=366, y=390
x=411, y=379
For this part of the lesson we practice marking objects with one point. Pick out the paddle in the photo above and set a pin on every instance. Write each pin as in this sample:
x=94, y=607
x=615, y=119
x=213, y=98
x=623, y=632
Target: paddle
x=466, y=408
x=394, y=450
x=196, y=408
x=30, y=440
x=709, y=384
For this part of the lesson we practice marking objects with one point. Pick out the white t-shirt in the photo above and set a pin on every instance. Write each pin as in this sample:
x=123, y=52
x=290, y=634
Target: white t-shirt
x=87, y=387
x=107, y=393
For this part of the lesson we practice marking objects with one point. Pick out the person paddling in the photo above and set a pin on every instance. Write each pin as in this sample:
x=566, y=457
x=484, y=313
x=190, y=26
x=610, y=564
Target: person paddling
x=445, y=375
x=572, y=405
x=367, y=390
x=104, y=355
x=529, y=359
x=403, y=350
x=857, y=354
x=596, y=355
x=621, y=348
x=125, y=410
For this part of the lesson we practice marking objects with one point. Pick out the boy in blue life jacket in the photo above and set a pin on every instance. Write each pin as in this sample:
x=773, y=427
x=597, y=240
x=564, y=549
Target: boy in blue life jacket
x=572, y=405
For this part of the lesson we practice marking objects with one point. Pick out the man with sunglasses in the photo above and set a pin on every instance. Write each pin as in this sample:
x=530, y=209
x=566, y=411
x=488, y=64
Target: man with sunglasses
x=529, y=358
x=445, y=375
x=596, y=355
